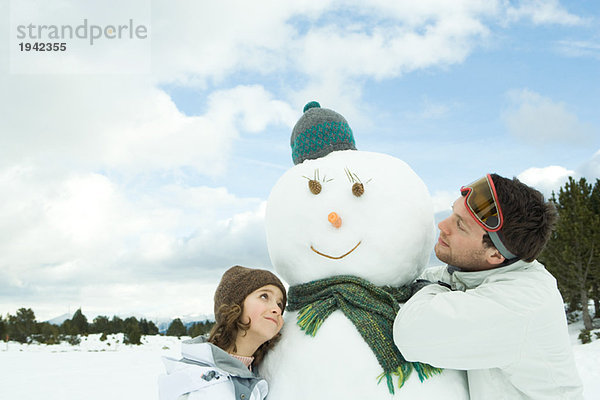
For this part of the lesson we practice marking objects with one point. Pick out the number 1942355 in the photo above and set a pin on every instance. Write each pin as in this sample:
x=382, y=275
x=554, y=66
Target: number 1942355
x=37, y=46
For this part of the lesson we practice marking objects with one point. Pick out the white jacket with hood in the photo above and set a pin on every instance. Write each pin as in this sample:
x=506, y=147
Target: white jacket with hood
x=506, y=327
x=208, y=372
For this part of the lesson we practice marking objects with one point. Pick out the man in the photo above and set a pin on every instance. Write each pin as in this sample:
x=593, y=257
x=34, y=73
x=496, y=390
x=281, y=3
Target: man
x=493, y=311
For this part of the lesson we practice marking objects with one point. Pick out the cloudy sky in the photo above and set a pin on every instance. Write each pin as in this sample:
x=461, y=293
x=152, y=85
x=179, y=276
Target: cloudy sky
x=131, y=179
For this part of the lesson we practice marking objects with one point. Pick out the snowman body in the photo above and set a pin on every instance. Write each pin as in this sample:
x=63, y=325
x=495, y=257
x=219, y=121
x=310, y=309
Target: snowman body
x=349, y=213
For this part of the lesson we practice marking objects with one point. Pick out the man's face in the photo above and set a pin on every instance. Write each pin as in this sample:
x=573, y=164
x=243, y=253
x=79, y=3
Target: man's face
x=460, y=243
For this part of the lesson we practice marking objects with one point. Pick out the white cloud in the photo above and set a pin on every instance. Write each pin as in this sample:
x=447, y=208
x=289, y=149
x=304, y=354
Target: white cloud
x=252, y=105
x=431, y=110
x=126, y=124
x=538, y=119
x=547, y=179
x=389, y=51
x=328, y=39
x=203, y=43
x=196, y=41
x=81, y=208
x=69, y=233
x=392, y=37
x=579, y=48
x=591, y=168
x=542, y=12
x=199, y=43
x=552, y=178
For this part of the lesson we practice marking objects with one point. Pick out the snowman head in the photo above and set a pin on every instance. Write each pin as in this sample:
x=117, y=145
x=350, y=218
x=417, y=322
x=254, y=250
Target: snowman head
x=349, y=212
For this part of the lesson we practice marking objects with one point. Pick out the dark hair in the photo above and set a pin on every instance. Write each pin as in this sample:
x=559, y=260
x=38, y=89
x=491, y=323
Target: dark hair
x=228, y=324
x=528, y=219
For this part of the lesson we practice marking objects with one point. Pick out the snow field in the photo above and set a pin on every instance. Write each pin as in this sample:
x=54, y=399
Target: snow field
x=95, y=370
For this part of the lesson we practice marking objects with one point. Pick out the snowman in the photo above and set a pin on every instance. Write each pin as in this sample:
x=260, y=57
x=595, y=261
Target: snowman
x=349, y=231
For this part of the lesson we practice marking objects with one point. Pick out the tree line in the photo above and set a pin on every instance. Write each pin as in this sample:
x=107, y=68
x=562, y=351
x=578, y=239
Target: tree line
x=23, y=328
x=572, y=254
x=177, y=328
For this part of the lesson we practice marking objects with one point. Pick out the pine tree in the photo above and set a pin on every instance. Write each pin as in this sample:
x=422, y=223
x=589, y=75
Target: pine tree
x=176, y=328
x=195, y=329
x=47, y=333
x=133, y=333
x=3, y=328
x=22, y=325
x=80, y=323
x=572, y=252
x=595, y=199
x=143, y=326
x=152, y=328
x=116, y=325
x=200, y=328
x=68, y=328
x=148, y=327
x=101, y=324
x=70, y=332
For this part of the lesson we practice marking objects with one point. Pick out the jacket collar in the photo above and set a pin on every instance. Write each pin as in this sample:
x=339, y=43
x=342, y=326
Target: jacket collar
x=198, y=349
x=463, y=280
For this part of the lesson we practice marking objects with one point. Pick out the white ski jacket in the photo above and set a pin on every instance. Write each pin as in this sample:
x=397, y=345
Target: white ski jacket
x=506, y=327
x=207, y=372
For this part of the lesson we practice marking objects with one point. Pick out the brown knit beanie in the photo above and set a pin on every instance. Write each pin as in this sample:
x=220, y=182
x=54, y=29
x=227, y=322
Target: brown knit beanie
x=238, y=282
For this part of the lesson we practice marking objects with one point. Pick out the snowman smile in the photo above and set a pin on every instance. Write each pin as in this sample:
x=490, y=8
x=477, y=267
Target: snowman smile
x=333, y=257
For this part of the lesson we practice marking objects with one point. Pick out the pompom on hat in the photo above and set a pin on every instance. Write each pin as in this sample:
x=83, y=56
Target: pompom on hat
x=319, y=132
x=238, y=282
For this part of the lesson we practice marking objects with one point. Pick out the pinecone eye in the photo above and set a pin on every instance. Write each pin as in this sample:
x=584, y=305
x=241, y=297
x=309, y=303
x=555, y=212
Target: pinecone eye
x=358, y=189
x=314, y=186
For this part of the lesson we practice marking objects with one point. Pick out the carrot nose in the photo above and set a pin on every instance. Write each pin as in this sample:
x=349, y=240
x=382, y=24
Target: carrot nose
x=335, y=219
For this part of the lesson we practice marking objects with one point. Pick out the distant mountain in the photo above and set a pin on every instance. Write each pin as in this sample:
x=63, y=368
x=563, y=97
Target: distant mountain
x=59, y=320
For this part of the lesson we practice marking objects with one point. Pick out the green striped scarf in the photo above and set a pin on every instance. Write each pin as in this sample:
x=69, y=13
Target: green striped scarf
x=372, y=309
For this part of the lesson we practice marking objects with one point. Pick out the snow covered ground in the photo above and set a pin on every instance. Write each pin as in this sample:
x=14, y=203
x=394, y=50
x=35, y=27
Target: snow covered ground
x=95, y=370
x=587, y=358
x=92, y=370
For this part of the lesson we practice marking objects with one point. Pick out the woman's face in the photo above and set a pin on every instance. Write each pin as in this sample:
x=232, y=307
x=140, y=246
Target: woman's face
x=263, y=309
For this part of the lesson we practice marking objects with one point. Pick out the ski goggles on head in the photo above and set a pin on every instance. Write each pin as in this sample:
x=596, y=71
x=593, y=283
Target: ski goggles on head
x=482, y=202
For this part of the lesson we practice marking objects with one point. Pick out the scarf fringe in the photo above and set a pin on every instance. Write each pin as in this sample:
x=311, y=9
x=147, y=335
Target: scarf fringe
x=309, y=320
x=425, y=371
x=403, y=372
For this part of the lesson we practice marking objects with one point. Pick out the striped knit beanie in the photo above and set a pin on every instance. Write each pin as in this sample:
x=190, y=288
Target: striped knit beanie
x=319, y=132
x=238, y=282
